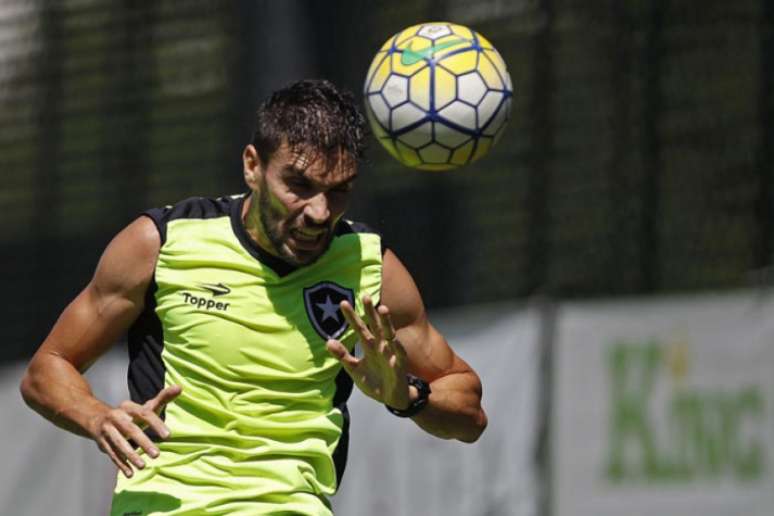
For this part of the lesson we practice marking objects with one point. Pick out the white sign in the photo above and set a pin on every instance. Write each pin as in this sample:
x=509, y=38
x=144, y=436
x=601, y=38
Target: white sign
x=664, y=407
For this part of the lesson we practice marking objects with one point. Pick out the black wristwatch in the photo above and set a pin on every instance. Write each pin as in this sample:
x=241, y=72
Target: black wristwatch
x=418, y=404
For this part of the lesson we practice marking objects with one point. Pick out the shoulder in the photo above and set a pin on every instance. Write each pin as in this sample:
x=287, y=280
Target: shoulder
x=347, y=227
x=192, y=208
x=350, y=227
x=400, y=293
x=137, y=241
x=129, y=260
x=141, y=233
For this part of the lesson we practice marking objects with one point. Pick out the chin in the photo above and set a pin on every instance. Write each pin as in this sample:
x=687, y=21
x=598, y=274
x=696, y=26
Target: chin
x=306, y=259
x=298, y=258
x=305, y=256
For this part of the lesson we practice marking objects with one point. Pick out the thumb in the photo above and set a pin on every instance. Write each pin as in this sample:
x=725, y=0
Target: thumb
x=338, y=350
x=164, y=396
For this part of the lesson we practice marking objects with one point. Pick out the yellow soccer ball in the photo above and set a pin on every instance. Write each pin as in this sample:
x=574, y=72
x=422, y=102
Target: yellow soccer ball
x=437, y=96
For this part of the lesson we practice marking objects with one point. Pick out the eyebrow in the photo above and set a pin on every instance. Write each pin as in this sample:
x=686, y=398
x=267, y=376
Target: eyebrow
x=291, y=170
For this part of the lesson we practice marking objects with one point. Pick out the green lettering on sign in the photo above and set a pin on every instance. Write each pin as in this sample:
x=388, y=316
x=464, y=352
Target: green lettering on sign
x=632, y=373
x=693, y=434
x=749, y=461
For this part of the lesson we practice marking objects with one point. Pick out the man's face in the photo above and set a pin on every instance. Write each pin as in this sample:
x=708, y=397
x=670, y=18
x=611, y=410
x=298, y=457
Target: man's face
x=301, y=197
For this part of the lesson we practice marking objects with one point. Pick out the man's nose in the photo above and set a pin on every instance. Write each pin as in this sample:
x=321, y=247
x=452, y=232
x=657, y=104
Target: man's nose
x=317, y=210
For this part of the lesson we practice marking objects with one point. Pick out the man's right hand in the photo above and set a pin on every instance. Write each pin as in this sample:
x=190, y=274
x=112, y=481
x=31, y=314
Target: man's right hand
x=113, y=430
x=54, y=385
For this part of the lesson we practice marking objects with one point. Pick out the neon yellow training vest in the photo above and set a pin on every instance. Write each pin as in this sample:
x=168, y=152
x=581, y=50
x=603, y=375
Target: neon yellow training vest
x=261, y=425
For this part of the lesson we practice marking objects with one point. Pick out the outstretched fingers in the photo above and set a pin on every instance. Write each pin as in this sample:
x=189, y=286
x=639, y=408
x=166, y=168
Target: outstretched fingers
x=360, y=327
x=390, y=335
x=118, y=442
x=388, y=328
x=130, y=430
x=378, y=333
x=121, y=430
x=154, y=406
x=164, y=396
x=338, y=350
x=120, y=462
x=372, y=319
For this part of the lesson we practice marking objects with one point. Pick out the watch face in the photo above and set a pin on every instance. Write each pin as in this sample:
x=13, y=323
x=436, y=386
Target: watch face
x=423, y=389
x=421, y=385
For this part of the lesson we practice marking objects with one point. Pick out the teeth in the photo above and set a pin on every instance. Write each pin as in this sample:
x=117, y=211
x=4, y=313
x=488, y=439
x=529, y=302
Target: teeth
x=305, y=236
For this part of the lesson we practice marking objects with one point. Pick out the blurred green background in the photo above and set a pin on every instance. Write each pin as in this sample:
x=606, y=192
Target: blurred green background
x=638, y=158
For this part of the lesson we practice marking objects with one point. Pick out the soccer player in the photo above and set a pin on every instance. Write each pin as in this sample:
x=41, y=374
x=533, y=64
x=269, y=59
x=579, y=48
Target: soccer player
x=242, y=315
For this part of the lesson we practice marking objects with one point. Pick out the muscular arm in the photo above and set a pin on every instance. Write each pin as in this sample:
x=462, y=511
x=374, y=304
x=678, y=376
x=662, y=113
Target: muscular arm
x=454, y=410
x=53, y=384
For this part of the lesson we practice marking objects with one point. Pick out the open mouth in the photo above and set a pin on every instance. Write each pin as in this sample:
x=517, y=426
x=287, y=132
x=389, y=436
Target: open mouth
x=307, y=241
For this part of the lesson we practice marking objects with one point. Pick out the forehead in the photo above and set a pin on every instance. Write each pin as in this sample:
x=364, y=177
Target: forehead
x=323, y=167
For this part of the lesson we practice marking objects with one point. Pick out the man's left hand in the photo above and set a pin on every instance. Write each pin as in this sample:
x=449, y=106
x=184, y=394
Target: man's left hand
x=381, y=372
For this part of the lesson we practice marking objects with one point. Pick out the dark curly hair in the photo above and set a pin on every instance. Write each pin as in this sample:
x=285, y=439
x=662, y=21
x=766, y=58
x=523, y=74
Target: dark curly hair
x=311, y=113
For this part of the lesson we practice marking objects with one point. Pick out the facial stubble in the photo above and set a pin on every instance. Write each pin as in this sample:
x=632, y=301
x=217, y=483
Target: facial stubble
x=270, y=220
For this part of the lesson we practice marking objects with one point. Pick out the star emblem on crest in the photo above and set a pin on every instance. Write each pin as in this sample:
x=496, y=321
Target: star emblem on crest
x=322, y=308
x=330, y=309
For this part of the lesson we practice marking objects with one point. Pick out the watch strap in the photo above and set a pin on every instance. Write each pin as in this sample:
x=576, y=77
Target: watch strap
x=416, y=406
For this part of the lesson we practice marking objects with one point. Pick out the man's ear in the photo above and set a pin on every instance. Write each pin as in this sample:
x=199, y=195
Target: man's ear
x=253, y=169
